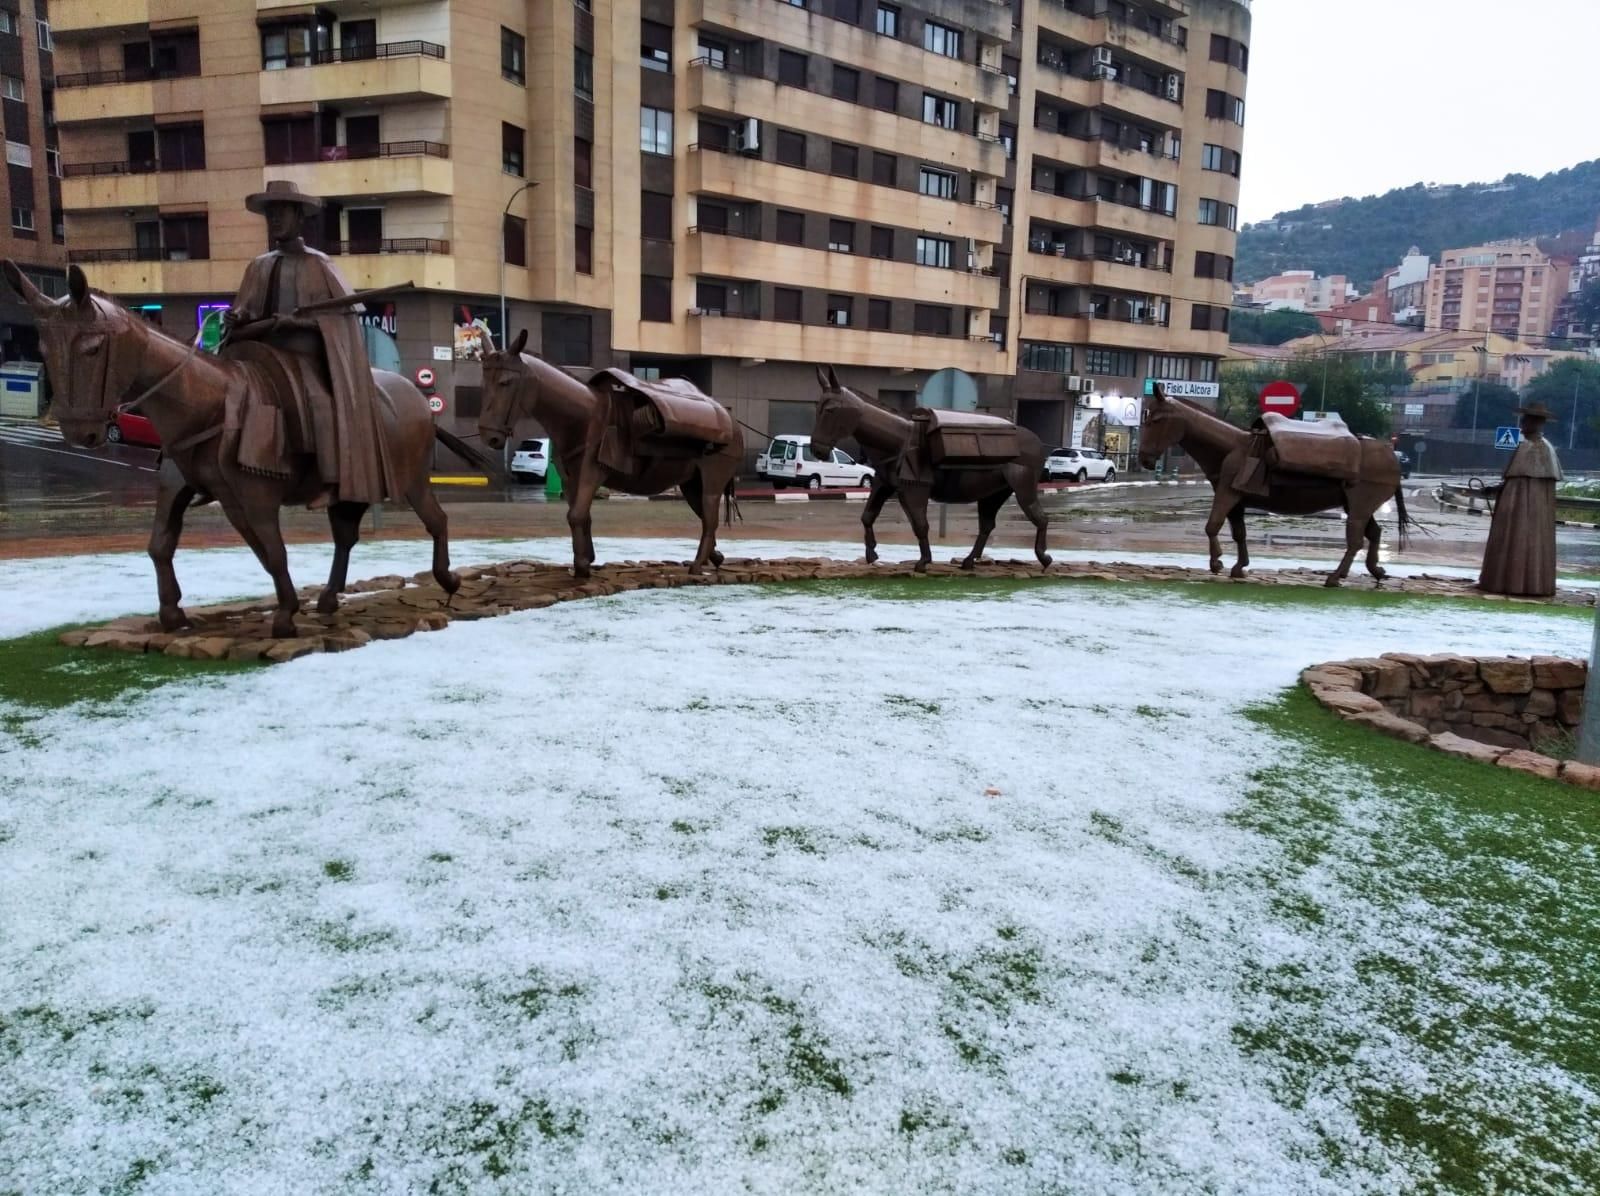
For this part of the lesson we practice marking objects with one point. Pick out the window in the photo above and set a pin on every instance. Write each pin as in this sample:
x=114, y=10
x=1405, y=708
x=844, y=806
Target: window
x=515, y=234
x=8, y=24
x=1012, y=68
x=583, y=250
x=934, y=251
x=582, y=162
x=46, y=42
x=655, y=131
x=655, y=46
x=884, y=168
x=52, y=160
x=583, y=74
x=846, y=83
x=1217, y=213
x=936, y=110
x=1205, y=369
x=185, y=238
x=1003, y=199
x=1116, y=362
x=1219, y=48
x=22, y=218
x=931, y=320
x=655, y=216
x=12, y=88
x=938, y=183
x=513, y=56
x=1204, y=318
x=791, y=228
x=786, y=304
x=1008, y=138
x=881, y=244
x=511, y=139
x=1213, y=265
x=182, y=147
x=848, y=11
x=888, y=20
x=941, y=39
x=791, y=148
x=792, y=68
x=284, y=46
x=19, y=153
x=714, y=52
x=878, y=310
x=842, y=236
x=843, y=160
x=1221, y=159
x=840, y=310
x=1046, y=357
x=655, y=298
x=885, y=93
x=710, y=297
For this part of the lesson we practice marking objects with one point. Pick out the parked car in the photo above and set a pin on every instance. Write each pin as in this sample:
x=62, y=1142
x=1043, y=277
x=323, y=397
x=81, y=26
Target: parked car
x=1079, y=464
x=126, y=427
x=790, y=461
x=531, y=462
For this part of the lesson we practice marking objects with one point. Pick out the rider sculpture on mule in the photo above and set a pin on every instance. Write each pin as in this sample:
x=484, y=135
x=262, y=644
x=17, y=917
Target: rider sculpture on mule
x=333, y=404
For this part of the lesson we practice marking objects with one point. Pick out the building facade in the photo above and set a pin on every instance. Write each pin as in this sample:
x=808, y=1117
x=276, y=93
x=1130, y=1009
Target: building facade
x=1041, y=194
x=1510, y=288
x=33, y=238
x=1302, y=290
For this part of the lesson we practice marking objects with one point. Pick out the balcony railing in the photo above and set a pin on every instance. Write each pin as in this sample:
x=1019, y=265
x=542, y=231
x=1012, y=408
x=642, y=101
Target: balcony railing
x=381, y=149
x=713, y=147
x=721, y=313
x=725, y=231
x=386, y=245
x=125, y=75
x=410, y=49
x=1135, y=261
x=1117, y=140
x=138, y=254
x=71, y=170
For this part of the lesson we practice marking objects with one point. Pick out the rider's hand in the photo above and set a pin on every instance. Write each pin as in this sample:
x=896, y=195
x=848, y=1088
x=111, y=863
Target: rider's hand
x=235, y=316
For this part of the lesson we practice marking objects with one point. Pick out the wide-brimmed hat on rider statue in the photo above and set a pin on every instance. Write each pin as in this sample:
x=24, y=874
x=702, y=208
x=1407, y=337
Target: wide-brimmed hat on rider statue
x=1537, y=410
x=281, y=191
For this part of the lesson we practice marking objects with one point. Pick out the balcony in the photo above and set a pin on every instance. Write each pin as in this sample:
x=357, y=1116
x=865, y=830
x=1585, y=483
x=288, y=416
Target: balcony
x=73, y=18
x=385, y=245
x=123, y=95
x=391, y=168
x=389, y=71
x=99, y=185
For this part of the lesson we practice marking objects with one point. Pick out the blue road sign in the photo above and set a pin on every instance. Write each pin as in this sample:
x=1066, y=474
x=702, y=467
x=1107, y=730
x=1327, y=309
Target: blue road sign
x=1507, y=438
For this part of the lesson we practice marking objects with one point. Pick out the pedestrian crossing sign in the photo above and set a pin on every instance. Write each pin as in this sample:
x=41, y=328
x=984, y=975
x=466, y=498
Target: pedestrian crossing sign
x=1507, y=438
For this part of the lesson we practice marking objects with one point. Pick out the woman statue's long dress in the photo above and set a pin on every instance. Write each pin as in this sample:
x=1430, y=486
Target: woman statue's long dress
x=1520, y=557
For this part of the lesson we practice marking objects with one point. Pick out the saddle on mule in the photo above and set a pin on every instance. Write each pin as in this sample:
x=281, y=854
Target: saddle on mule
x=288, y=413
x=667, y=418
x=956, y=440
x=1317, y=449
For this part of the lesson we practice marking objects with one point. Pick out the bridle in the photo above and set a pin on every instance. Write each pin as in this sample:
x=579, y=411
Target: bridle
x=109, y=380
x=503, y=430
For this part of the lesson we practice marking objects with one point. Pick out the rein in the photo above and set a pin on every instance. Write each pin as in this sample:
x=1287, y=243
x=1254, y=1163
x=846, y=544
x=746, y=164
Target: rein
x=194, y=347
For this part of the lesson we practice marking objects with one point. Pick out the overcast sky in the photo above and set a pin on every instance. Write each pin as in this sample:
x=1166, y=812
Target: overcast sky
x=1355, y=97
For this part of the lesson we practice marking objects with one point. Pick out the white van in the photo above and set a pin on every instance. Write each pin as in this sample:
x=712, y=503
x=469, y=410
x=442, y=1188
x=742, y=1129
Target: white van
x=790, y=461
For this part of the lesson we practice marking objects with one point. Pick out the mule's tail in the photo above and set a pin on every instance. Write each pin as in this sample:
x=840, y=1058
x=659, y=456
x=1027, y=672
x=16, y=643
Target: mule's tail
x=473, y=456
x=1405, y=519
x=730, y=503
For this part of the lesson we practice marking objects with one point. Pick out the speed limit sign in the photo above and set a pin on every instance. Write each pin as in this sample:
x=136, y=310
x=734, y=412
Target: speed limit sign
x=424, y=376
x=435, y=404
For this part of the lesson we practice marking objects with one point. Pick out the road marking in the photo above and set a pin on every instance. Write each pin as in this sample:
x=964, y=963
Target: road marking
x=34, y=443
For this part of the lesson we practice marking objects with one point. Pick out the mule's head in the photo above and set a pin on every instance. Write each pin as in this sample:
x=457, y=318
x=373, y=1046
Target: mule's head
x=504, y=372
x=90, y=354
x=1162, y=428
x=838, y=413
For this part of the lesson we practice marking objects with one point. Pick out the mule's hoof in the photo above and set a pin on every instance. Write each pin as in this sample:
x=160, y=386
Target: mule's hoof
x=969, y=565
x=1046, y=560
x=1237, y=572
x=448, y=581
x=283, y=627
x=920, y=567
x=1216, y=566
x=696, y=570
x=1332, y=583
x=328, y=603
x=872, y=556
x=172, y=618
x=717, y=558
x=1378, y=574
x=581, y=572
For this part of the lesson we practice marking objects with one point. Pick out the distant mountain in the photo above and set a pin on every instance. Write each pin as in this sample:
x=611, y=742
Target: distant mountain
x=1362, y=238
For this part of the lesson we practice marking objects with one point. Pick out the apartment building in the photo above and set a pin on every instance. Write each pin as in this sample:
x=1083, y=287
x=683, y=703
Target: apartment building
x=1303, y=290
x=34, y=237
x=727, y=190
x=1511, y=288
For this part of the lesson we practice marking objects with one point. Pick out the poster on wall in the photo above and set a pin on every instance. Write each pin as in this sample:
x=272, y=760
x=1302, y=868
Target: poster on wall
x=382, y=317
x=477, y=331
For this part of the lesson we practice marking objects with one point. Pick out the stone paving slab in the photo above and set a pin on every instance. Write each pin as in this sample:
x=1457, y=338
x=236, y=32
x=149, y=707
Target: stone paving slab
x=393, y=607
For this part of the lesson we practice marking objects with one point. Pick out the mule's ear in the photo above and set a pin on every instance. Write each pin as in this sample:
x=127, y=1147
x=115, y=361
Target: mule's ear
x=822, y=378
x=1158, y=394
x=20, y=283
x=519, y=344
x=77, y=284
x=833, y=380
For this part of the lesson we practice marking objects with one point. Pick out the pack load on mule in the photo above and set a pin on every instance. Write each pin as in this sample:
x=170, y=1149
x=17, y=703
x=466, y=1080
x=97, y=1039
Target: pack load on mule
x=667, y=418
x=965, y=439
x=1320, y=449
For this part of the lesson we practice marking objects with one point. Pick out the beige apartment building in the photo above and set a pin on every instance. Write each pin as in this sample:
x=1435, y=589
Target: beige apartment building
x=1511, y=288
x=1039, y=193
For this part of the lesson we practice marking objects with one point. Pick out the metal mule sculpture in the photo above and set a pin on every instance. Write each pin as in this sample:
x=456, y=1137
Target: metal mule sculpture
x=948, y=457
x=617, y=432
x=1284, y=468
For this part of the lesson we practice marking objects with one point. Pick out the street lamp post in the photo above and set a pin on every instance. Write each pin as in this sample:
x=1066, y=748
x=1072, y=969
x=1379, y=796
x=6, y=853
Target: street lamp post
x=504, y=212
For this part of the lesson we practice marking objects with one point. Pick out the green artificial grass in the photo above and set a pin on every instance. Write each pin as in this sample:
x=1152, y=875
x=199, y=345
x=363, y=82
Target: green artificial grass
x=1488, y=878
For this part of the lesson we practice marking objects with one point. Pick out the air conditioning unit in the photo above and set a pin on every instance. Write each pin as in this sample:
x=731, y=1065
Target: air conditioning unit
x=1102, y=55
x=747, y=137
x=1073, y=382
x=1104, y=70
x=1088, y=386
x=1174, y=87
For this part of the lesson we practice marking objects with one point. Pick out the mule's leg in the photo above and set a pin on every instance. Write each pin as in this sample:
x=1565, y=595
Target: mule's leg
x=582, y=535
x=1028, y=500
x=344, y=519
x=266, y=537
x=1223, y=500
x=914, y=502
x=988, y=507
x=694, y=491
x=426, y=504
x=881, y=490
x=1374, y=538
x=578, y=519
x=1354, y=533
x=1241, y=553
x=172, y=500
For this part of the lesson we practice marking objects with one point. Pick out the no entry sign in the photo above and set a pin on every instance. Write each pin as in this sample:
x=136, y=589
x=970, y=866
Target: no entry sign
x=1282, y=397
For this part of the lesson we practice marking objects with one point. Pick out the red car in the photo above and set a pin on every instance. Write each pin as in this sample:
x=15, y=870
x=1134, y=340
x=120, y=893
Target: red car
x=128, y=428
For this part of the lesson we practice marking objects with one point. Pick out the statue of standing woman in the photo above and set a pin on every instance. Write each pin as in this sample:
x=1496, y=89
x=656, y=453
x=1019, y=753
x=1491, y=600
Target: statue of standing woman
x=1520, y=557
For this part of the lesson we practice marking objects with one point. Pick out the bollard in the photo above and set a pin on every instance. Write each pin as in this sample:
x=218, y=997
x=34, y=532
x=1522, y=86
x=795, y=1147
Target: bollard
x=944, y=518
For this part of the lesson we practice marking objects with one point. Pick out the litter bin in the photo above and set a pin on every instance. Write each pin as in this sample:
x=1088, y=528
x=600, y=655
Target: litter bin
x=552, y=481
x=22, y=389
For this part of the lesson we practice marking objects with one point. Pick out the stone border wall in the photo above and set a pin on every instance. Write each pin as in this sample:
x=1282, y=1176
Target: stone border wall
x=1496, y=709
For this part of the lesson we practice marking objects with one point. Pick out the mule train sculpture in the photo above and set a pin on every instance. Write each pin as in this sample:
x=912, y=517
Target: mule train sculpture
x=618, y=432
x=1284, y=467
x=946, y=456
x=289, y=412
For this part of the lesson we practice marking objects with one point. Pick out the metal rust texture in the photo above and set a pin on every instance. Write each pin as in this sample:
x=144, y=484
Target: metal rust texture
x=1224, y=453
x=617, y=433
x=994, y=460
